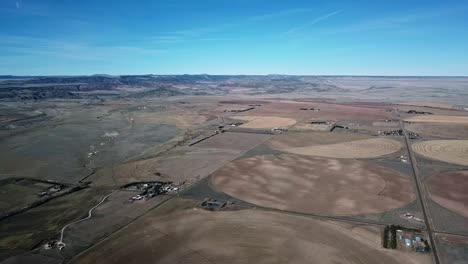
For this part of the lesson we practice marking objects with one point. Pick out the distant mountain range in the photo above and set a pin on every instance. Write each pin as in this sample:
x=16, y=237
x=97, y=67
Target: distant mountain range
x=43, y=87
x=140, y=86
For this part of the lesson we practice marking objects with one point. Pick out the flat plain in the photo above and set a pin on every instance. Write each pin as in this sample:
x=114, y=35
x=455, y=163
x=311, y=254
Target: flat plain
x=199, y=236
x=314, y=185
x=256, y=173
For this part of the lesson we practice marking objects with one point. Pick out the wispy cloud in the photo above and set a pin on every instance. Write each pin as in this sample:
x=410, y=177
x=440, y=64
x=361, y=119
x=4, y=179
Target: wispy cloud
x=30, y=9
x=390, y=22
x=181, y=39
x=11, y=45
x=313, y=22
x=200, y=33
x=279, y=14
x=395, y=21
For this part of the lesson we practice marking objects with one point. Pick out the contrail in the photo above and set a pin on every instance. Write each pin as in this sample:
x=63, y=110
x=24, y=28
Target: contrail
x=18, y=4
x=313, y=22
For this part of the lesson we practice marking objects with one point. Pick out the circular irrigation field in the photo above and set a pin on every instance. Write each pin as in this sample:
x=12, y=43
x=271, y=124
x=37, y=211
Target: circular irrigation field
x=449, y=190
x=315, y=185
x=352, y=149
x=451, y=151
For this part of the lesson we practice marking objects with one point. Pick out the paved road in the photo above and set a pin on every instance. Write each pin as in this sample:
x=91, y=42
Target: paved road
x=420, y=191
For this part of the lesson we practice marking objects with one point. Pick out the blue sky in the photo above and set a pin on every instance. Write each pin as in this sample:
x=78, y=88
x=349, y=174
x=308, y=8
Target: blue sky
x=76, y=37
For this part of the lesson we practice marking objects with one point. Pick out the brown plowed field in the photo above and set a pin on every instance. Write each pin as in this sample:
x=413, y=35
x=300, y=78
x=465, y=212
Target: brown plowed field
x=439, y=119
x=358, y=149
x=247, y=236
x=315, y=185
x=451, y=151
x=292, y=140
x=450, y=190
x=454, y=131
x=328, y=111
x=352, y=146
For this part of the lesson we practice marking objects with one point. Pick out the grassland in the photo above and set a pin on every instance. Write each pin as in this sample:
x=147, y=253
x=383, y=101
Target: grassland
x=294, y=196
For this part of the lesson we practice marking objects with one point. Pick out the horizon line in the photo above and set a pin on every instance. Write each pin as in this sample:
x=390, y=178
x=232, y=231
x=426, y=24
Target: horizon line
x=241, y=74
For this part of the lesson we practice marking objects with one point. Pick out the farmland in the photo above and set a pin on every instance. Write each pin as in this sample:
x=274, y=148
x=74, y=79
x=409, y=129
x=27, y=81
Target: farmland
x=233, y=174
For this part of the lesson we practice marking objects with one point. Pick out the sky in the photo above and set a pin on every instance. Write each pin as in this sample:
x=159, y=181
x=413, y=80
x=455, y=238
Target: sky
x=83, y=37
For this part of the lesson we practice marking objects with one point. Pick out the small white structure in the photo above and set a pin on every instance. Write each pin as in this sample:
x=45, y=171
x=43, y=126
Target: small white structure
x=403, y=159
x=60, y=245
x=407, y=242
x=138, y=197
x=112, y=134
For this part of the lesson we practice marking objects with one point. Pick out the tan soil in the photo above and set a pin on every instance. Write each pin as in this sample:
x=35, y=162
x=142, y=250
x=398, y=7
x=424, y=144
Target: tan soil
x=314, y=185
x=292, y=140
x=445, y=131
x=247, y=236
x=450, y=191
x=356, y=149
x=265, y=122
x=451, y=151
x=312, y=127
x=386, y=125
x=438, y=119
